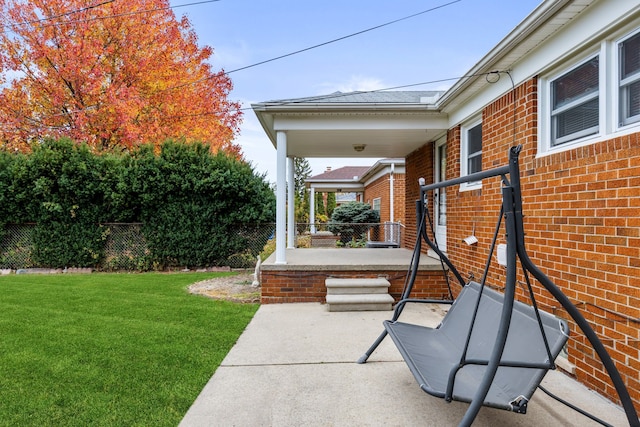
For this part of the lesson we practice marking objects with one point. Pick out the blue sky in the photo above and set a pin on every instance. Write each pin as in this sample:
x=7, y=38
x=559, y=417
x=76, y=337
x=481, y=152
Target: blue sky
x=440, y=44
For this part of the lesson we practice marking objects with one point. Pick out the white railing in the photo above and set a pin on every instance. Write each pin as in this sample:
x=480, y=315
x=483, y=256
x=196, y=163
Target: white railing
x=349, y=235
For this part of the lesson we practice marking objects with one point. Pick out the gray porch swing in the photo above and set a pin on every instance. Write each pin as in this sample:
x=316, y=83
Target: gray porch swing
x=489, y=349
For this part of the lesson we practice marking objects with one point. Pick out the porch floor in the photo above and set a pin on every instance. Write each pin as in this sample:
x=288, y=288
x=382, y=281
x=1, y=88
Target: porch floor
x=357, y=259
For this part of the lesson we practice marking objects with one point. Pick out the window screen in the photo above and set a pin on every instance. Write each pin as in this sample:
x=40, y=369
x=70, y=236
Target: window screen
x=630, y=80
x=474, y=149
x=575, y=103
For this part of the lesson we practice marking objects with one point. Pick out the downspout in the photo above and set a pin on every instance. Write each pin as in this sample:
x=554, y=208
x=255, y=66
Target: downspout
x=391, y=185
x=312, y=209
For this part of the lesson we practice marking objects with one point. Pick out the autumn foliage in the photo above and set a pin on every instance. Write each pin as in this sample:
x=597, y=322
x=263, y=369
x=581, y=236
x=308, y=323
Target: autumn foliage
x=114, y=74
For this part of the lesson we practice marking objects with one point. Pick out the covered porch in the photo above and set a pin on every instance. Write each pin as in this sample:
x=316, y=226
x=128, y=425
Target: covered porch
x=342, y=125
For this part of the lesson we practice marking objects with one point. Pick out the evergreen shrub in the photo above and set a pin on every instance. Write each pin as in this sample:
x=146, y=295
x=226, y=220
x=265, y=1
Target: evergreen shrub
x=194, y=205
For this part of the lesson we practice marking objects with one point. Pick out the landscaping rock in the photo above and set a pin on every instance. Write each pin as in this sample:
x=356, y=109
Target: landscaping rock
x=78, y=270
x=38, y=271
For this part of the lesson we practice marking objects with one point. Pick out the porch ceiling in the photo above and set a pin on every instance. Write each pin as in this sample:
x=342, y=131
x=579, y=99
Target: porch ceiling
x=340, y=143
x=386, y=124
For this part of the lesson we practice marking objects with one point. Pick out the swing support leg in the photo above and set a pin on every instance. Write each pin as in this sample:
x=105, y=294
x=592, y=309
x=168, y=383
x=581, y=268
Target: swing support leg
x=365, y=356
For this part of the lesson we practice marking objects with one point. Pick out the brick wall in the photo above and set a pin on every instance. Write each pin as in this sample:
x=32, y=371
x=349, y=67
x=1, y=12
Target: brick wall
x=581, y=221
x=418, y=164
x=399, y=208
x=281, y=286
x=380, y=189
x=584, y=231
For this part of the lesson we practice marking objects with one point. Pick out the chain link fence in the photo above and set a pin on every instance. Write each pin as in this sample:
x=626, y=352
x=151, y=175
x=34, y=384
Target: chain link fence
x=126, y=249
x=16, y=246
x=349, y=235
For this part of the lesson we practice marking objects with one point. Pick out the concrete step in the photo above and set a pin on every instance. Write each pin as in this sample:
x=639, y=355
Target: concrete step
x=375, y=285
x=359, y=302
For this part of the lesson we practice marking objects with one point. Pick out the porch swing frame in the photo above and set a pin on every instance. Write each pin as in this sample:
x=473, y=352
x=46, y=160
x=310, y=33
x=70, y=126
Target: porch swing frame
x=405, y=336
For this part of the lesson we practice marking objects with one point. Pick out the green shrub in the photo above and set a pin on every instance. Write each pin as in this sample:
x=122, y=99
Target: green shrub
x=345, y=218
x=62, y=187
x=59, y=245
x=195, y=205
x=243, y=259
x=268, y=249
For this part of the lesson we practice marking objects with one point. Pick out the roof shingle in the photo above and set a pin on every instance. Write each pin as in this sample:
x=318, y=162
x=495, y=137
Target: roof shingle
x=345, y=173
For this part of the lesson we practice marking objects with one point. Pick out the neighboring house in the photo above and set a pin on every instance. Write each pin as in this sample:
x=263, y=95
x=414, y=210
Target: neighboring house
x=572, y=99
x=384, y=189
x=344, y=181
x=380, y=185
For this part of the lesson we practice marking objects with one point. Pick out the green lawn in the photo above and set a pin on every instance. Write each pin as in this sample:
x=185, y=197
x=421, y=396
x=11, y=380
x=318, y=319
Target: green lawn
x=109, y=349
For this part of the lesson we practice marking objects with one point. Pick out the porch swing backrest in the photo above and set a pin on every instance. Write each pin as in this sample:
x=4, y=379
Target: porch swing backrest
x=433, y=354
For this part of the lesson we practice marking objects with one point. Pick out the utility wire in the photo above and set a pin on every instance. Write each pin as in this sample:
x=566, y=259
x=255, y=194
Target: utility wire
x=257, y=63
x=340, y=94
x=318, y=45
x=96, y=18
x=344, y=37
x=319, y=98
x=306, y=99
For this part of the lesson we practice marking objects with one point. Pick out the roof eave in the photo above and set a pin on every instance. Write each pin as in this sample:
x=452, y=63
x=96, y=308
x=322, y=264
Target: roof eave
x=340, y=107
x=536, y=19
x=265, y=111
x=380, y=165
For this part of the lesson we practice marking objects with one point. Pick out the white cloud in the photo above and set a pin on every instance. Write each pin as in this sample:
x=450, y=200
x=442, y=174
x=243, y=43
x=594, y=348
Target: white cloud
x=353, y=84
x=256, y=146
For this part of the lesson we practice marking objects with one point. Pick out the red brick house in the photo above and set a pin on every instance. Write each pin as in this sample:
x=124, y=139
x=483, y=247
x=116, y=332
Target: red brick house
x=565, y=83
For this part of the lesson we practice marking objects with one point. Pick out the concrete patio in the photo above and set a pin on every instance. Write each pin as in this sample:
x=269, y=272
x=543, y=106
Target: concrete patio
x=295, y=365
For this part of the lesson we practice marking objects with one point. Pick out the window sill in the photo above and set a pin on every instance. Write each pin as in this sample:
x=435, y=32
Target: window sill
x=594, y=139
x=470, y=186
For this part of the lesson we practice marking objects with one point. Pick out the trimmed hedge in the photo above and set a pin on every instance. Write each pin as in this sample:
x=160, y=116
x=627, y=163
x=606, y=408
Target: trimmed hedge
x=187, y=198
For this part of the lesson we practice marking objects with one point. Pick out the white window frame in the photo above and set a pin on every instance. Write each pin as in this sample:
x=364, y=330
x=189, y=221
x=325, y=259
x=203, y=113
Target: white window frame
x=584, y=137
x=610, y=123
x=623, y=122
x=464, y=154
x=593, y=130
x=378, y=201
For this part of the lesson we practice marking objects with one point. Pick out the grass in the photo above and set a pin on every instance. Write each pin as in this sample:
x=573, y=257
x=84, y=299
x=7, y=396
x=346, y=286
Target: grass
x=109, y=349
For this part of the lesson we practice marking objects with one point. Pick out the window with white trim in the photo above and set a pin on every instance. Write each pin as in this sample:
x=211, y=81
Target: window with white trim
x=575, y=111
x=629, y=79
x=471, y=161
x=593, y=98
x=376, y=204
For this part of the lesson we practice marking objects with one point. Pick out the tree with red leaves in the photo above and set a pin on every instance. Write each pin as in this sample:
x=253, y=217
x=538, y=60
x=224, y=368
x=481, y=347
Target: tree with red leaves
x=110, y=73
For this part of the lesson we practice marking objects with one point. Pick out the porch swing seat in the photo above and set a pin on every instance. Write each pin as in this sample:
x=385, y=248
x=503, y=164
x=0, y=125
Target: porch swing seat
x=434, y=354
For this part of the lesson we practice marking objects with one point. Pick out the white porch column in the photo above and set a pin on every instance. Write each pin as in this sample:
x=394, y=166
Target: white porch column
x=312, y=209
x=291, y=210
x=281, y=197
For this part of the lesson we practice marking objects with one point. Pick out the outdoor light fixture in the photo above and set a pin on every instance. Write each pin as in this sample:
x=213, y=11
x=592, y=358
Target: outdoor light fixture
x=359, y=147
